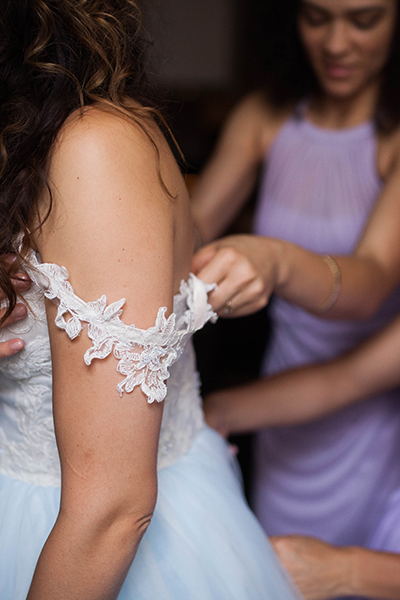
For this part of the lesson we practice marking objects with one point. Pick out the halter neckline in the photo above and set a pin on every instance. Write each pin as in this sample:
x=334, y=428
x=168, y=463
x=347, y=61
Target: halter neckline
x=363, y=130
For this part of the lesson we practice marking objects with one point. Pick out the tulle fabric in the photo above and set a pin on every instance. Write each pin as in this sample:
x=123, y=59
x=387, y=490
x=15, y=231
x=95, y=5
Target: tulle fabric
x=202, y=544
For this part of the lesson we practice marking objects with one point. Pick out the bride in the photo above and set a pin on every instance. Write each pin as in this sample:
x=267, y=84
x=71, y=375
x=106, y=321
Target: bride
x=110, y=487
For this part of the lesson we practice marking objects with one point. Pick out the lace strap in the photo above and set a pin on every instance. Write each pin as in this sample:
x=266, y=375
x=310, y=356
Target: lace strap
x=144, y=356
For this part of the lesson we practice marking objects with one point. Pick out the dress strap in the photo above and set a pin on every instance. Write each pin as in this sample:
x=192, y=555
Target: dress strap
x=144, y=356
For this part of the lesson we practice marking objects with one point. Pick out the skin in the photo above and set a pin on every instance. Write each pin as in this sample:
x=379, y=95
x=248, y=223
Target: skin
x=14, y=345
x=118, y=233
x=348, y=58
x=347, y=42
x=246, y=273
x=321, y=570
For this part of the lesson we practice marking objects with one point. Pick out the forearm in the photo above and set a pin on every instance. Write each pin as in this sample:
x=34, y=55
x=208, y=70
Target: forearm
x=90, y=562
x=249, y=268
x=374, y=574
x=289, y=398
x=303, y=278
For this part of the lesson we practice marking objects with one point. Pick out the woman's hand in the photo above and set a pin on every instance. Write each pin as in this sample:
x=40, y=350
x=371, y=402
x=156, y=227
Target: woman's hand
x=245, y=267
x=10, y=347
x=320, y=570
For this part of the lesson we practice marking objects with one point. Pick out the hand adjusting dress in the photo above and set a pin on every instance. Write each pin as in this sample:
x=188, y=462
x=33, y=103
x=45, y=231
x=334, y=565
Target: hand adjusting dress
x=203, y=542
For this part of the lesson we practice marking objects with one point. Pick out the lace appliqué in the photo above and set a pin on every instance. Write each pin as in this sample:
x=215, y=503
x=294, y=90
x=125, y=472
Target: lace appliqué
x=144, y=356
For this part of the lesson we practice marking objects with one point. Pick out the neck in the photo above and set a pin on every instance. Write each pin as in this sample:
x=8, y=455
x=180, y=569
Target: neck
x=337, y=113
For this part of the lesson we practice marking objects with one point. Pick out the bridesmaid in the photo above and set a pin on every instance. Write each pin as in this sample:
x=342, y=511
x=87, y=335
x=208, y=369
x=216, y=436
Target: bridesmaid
x=327, y=136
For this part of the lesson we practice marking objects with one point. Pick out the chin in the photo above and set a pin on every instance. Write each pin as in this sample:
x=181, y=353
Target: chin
x=340, y=90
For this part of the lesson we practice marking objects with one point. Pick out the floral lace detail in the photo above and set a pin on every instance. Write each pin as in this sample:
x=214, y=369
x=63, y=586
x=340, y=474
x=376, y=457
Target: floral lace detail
x=144, y=355
x=28, y=449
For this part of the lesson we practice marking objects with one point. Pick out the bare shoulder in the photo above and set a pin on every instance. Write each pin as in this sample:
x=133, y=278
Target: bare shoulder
x=258, y=118
x=114, y=184
x=101, y=141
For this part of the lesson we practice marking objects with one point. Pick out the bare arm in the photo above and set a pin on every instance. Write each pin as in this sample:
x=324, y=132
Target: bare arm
x=230, y=176
x=323, y=571
x=307, y=393
x=111, y=226
x=267, y=265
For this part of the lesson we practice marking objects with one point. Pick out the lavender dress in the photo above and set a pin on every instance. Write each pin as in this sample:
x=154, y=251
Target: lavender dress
x=335, y=478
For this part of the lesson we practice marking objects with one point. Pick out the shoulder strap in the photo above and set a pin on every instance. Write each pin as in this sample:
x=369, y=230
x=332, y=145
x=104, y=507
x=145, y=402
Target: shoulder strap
x=144, y=356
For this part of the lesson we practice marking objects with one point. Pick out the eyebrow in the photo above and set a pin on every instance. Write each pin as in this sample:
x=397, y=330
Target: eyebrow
x=353, y=11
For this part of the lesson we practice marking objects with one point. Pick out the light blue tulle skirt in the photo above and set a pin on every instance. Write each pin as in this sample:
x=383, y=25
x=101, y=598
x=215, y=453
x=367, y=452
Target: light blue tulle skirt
x=203, y=542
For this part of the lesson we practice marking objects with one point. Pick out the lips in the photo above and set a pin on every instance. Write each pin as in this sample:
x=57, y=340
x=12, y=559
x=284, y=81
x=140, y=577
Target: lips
x=338, y=71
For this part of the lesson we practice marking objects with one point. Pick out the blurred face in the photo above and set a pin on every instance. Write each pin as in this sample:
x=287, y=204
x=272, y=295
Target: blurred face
x=347, y=41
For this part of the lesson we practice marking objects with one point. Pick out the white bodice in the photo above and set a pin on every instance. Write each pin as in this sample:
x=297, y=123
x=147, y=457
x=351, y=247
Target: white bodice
x=146, y=358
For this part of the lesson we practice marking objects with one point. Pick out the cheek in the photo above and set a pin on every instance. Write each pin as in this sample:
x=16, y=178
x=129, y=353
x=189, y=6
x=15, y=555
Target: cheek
x=375, y=50
x=312, y=41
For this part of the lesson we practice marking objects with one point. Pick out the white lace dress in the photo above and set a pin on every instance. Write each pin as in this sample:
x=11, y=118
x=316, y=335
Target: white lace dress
x=203, y=542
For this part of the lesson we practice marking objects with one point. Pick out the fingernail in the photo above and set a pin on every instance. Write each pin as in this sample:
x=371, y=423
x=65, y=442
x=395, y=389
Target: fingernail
x=16, y=345
x=19, y=311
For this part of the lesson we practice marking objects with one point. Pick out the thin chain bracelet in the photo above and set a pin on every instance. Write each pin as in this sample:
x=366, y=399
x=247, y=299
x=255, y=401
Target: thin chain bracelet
x=337, y=276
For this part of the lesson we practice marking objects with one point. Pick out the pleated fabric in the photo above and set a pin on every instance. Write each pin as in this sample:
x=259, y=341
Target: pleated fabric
x=331, y=478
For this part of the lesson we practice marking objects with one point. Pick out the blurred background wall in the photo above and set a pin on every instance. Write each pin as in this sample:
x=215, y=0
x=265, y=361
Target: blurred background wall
x=196, y=42
x=205, y=57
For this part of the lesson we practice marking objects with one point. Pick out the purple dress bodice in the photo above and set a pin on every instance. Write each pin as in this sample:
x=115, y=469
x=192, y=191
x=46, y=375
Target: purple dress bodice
x=330, y=478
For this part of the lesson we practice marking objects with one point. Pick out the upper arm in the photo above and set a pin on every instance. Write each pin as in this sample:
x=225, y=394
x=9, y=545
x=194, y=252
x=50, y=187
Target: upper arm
x=111, y=226
x=231, y=173
x=380, y=240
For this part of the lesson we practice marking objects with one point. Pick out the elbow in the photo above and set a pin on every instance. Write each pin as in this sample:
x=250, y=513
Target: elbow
x=129, y=529
x=117, y=522
x=371, y=288
x=368, y=309
x=363, y=308
x=128, y=520
x=362, y=313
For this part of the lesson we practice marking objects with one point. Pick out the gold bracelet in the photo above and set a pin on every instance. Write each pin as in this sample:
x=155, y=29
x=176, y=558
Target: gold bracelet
x=337, y=280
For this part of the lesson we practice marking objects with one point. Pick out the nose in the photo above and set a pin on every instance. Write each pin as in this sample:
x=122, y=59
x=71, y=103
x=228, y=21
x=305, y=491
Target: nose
x=337, y=39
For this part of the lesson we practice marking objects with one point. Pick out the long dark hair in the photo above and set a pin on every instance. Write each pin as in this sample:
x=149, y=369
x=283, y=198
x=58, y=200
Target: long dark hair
x=282, y=68
x=57, y=56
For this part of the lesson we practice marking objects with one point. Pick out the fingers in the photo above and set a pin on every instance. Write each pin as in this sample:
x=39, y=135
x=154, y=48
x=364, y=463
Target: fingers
x=243, y=286
x=15, y=345
x=21, y=280
x=21, y=283
x=252, y=297
x=201, y=261
x=11, y=347
x=20, y=312
x=240, y=288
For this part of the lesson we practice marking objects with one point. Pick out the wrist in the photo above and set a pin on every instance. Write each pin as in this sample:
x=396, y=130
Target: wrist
x=277, y=251
x=351, y=583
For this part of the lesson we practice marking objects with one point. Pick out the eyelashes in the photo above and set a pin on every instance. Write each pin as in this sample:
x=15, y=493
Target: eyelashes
x=364, y=21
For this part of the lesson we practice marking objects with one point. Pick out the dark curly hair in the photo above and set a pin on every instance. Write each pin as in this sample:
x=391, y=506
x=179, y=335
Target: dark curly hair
x=283, y=70
x=57, y=56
